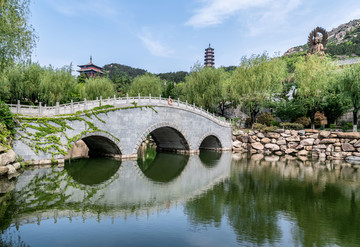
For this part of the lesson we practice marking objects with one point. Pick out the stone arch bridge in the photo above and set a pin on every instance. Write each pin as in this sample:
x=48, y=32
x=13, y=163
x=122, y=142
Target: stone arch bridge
x=121, y=125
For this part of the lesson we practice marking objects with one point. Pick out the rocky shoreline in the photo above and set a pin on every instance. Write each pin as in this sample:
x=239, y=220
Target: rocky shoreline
x=331, y=145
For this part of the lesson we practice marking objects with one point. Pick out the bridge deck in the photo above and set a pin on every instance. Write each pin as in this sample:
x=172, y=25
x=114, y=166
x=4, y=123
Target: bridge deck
x=73, y=107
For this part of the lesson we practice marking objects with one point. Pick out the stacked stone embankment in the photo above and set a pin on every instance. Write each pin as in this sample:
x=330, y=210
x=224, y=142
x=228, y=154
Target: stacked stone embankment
x=323, y=144
x=8, y=162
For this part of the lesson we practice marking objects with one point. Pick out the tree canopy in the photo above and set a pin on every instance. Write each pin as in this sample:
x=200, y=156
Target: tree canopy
x=17, y=38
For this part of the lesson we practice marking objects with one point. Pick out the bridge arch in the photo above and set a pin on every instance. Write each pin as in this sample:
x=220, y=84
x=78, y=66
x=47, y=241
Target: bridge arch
x=101, y=144
x=167, y=136
x=210, y=141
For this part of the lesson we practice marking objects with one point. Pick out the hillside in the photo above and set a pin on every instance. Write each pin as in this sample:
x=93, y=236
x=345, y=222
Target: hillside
x=343, y=41
x=115, y=70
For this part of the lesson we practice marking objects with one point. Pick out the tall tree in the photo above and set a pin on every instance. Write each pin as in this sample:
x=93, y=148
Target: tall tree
x=205, y=86
x=350, y=81
x=256, y=80
x=312, y=75
x=17, y=37
x=146, y=84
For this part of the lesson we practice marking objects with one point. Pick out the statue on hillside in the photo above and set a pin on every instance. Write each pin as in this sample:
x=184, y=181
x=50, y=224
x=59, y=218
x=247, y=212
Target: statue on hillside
x=317, y=43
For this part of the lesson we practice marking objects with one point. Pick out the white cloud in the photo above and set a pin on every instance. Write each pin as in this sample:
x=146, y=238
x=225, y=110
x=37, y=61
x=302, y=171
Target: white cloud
x=216, y=11
x=154, y=46
x=260, y=13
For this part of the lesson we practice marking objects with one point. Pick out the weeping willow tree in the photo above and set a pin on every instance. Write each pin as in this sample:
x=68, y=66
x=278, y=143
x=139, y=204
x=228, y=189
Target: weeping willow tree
x=256, y=81
x=96, y=87
x=56, y=85
x=313, y=76
x=350, y=86
x=17, y=38
x=146, y=84
x=207, y=87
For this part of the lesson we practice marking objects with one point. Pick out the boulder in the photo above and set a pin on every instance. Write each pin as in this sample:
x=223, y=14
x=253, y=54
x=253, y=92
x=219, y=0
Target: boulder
x=290, y=151
x=272, y=147
x=238, y=132
x=293, y=139
x=279, y=131
x=300, y=146
x=3, y=148
x=292, y=144
x=3, y=169
x=285, y=135
x=278, y=153
x=347, y=147
x=260, y=135
x=328, y=141
x=308, y=148
x=17, y=165
x=272, y=158
x=303, y=153
x=353, y=159
x=8, y=157
x=294, y=132
x=330, y=148
x=11, y=169
x=244, y=139
x=301, y=132
x=349, y=135
x=257, y=157
x=311, y=131
x=273, y=135
x=315, y=136
x=321, y=146
x=307, y=142
x=236, y=144
x=257, y=146
x=78, y=150
x=324, y=134
x=357, y=144
x=281, y=142
x=265, y=140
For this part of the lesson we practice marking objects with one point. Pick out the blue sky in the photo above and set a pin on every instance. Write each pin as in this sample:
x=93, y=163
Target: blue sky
x=171, y=35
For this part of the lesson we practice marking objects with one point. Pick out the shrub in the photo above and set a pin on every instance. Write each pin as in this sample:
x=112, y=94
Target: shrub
x=304, y=121
x=295, y=126
x=6, y=117
x=259, y=126
x=269, y=129
x=265, y=118
x=333, y=126
x=320, y=119
x=275, y=123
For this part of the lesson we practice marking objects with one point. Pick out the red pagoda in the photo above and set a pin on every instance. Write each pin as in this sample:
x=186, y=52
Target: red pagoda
x=90, y=69
x=209, y=57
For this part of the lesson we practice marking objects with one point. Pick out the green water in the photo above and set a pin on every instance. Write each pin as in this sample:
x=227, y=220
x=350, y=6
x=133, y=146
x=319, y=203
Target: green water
x=211, y=199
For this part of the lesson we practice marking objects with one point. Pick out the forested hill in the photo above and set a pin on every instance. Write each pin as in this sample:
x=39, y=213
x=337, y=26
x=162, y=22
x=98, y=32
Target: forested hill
x=116, y=70
x=343, y=41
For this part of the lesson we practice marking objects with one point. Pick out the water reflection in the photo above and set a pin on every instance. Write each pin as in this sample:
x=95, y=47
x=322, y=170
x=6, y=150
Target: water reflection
x=164, y=167
x=92, y=171
x=209, y=158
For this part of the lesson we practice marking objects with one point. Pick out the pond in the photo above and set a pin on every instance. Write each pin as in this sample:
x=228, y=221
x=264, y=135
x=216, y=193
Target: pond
x=165, y=199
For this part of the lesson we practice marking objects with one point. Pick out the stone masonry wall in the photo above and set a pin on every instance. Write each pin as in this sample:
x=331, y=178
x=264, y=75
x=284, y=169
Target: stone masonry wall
x=319, y=144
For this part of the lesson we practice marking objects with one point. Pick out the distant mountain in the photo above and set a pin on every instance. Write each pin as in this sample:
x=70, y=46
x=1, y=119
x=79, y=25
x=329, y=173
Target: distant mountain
x=343, y=41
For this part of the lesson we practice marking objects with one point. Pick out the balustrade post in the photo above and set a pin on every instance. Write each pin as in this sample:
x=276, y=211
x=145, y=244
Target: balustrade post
x=57, y=108
x=194, y=106
x=139, y=98
x=178, y=102
x=114, y=99
x=72, y=107
x=149, y=97
x=18, y=107
x=186, y=104
x=85, y=104
x=160, y=99
x=127, y=98
x=40, y=109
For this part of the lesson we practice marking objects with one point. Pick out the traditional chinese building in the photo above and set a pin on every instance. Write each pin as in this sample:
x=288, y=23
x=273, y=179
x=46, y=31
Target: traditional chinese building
x=90, y=69
x=209, y=57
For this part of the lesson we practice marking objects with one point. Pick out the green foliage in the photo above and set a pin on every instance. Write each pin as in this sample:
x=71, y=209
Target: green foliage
x=350, y=87
x=17, y=37
x=7, y=118
x=176, y=77
x=256, y=80
x=116, y=70
x=294, y=126
x=147, y=84
x=265, y=118
x=333, y=126
x=96, y=87
x=305, y=121
x=258, y=126
x=312, y=76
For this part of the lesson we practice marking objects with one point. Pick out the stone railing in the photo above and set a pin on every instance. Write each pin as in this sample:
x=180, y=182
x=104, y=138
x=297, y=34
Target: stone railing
x=119, y=102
